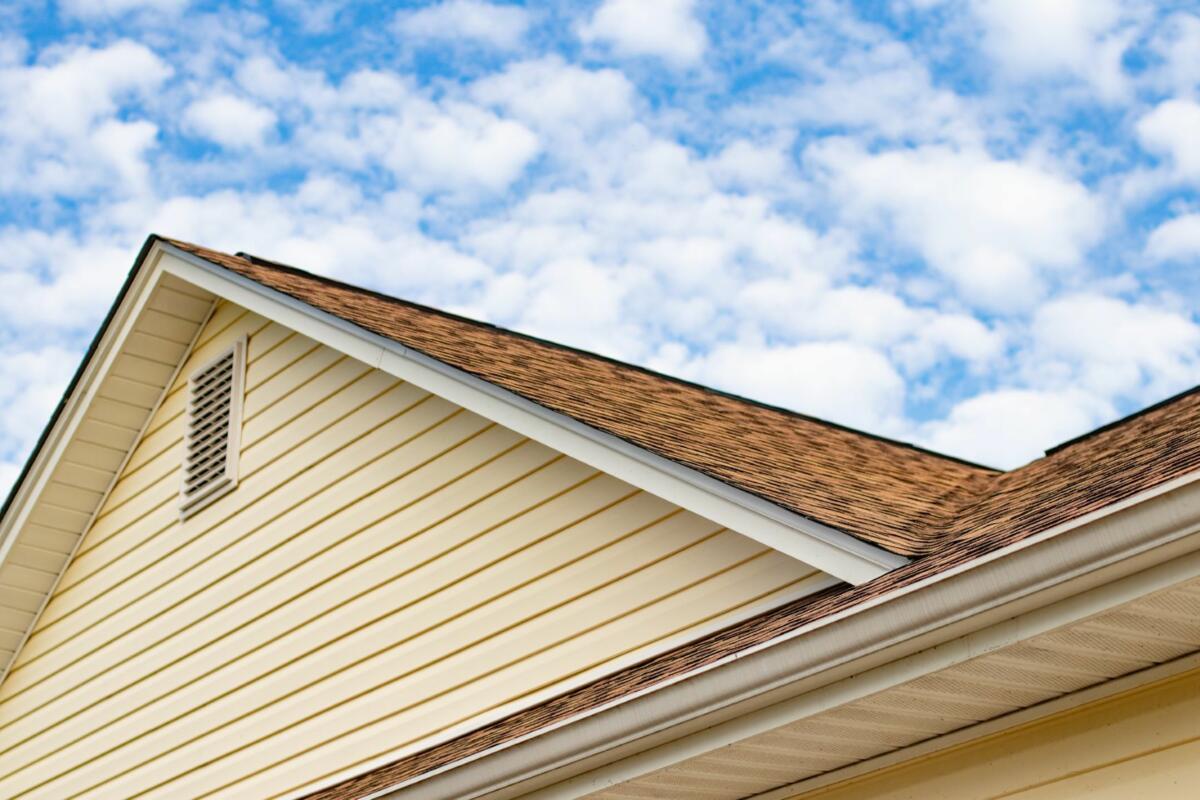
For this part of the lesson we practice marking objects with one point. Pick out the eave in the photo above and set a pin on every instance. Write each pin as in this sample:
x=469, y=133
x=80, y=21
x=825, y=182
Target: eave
x=132, y=360
x=1051, y=583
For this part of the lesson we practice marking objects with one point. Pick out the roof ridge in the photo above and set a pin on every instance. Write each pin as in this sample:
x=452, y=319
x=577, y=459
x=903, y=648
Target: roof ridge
x=272, y=264
x=1116, y=423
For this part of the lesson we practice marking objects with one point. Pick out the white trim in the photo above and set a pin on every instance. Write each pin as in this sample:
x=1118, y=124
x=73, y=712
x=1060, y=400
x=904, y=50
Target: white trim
x=829, y=550
x=48, y=455
x=140, y=290
x=894, y=673
x=1162, y=528
x=1059, y=705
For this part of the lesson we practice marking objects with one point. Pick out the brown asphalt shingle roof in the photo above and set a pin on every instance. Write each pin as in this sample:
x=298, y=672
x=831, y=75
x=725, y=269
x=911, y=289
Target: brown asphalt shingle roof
x=884, y=492
x=941, y=511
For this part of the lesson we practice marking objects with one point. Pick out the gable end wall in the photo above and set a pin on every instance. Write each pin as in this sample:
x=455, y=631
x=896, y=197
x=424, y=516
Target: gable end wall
x=390, y=571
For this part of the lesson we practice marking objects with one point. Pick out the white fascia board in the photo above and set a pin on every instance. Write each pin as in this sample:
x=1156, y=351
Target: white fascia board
x=879, y=679
x=1070, y=572
x=841, y=555
x=60, y=436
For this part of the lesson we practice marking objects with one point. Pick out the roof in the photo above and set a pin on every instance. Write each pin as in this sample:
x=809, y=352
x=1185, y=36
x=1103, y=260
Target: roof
x=887, y=493
x=941, y=511
x=905, y=499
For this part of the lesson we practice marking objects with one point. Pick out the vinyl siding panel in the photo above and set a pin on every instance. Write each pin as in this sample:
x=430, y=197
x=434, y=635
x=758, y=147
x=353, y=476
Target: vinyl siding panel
x=390, y=569
x=1144, y=743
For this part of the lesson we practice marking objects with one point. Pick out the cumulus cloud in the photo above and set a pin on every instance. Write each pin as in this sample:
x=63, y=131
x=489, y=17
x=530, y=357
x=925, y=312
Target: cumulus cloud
x=558, y=98
x=501, y=26
x=375, y=119
x=31, y=382
x=1080, y=38
x=1172, y=130
x=858, y=76
x=666, y=29
x=993, y=227
x=1113, y=348
x=230, y=121
x=61, y=127
x=1009, y=427
x=1176, y=239
x=1177, y=45
x=839, y=381
x=90, y=9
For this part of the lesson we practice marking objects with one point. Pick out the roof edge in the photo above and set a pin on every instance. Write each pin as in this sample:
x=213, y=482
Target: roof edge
x=609, y=359
x=56, y=415
x=828, y=549
x=1116, y=423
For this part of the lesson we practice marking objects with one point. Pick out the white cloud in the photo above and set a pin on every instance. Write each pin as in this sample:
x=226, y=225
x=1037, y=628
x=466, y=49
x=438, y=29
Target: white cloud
x=559, y=98
x=230, y=121
x=31, y=382
x=60, y=126
x=1177, y=44
x=1113, y=348
x=50, y=282
x=1176, y=239
x=858, y=75
x=1081, y=38
x=458, y=146
x=326, y=225
x=838, y=381
x=374, y=119
x=1009, y=427
x=1172, y=130
x=993, y=227
x=89, y=9
x=747, y=165
x=667, y=29
x=501, y=26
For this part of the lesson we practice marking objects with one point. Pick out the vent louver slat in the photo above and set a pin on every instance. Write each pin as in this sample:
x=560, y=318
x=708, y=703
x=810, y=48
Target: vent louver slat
x=214, y=414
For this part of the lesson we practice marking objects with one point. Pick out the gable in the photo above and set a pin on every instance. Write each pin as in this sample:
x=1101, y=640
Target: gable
x=391, y=569
x=367, y=335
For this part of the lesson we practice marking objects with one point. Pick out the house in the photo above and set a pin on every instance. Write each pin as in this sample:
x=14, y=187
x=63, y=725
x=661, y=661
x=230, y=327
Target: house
x=288, y=538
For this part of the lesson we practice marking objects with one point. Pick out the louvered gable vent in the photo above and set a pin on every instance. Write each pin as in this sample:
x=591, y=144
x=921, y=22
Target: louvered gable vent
x=213, y=429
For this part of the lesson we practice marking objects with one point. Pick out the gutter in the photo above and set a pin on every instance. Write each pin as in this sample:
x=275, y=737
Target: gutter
x=756, y=686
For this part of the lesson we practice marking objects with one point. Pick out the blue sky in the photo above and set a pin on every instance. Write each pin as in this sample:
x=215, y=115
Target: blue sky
x=973, y=225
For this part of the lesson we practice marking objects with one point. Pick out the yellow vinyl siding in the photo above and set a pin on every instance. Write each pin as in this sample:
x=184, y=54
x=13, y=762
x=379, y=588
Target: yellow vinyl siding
x=1143, y=743
x=389, y=569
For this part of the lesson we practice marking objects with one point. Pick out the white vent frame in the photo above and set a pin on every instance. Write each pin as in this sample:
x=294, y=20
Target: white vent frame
x=220, y=476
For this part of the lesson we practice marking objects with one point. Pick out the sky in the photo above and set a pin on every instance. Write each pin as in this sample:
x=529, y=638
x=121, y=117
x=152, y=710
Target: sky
x=971, y=225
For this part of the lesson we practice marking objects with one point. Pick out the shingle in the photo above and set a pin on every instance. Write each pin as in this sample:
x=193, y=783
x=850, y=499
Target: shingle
x=884, y=492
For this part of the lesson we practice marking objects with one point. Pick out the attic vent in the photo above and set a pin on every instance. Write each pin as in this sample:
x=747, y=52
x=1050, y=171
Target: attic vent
x=214, y=412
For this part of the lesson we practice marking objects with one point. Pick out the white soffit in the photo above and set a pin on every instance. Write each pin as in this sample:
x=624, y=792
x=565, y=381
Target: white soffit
x=829, y=550
x=891, y=709
x=135, y=360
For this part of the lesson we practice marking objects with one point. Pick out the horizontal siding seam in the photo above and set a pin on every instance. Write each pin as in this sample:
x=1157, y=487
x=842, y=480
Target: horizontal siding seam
x=284, y=603
x=270, y=492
